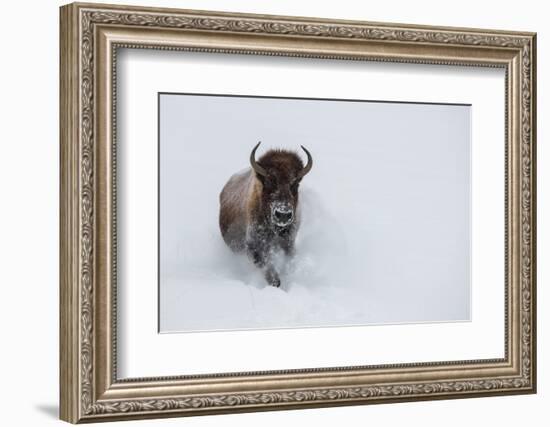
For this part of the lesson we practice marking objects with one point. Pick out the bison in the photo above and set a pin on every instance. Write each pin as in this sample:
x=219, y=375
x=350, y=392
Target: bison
x=258, y=208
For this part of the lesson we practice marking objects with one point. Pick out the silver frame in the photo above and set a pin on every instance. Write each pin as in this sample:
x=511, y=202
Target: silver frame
x=90, y=37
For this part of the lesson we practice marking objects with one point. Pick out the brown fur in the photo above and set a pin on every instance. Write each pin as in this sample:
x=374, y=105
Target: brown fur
x=283, y=162
x=239, y=199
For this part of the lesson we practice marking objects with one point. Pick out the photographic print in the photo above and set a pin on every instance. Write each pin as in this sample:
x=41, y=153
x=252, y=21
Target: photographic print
x=302, y=212
x=267, y=212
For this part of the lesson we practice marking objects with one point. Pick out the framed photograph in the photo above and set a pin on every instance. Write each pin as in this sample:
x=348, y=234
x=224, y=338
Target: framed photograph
x=266, y=212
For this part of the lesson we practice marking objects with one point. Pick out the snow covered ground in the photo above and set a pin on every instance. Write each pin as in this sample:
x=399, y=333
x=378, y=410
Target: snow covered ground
x=385, y=214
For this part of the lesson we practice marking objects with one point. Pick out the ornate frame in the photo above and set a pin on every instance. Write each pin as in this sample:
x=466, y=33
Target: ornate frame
x=90, y=35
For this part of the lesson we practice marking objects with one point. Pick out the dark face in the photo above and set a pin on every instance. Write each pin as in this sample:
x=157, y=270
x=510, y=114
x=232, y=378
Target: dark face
x=280, y=173
x=280, y=196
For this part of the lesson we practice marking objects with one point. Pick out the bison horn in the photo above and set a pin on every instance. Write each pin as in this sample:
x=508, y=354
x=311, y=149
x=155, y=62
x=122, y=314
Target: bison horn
x=309, y=165
x=259, y=170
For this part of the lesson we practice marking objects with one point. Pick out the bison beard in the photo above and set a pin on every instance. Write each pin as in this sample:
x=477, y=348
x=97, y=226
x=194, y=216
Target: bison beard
x=258, y=208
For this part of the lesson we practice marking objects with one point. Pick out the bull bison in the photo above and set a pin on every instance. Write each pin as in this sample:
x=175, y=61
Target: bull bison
x=258, y=208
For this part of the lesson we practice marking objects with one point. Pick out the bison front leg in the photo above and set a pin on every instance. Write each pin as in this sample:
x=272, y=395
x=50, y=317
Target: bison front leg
x=288, y=248
x=260, y=258
x=272, y=276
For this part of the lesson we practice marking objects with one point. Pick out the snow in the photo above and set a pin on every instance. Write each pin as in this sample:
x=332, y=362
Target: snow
x=382, y=239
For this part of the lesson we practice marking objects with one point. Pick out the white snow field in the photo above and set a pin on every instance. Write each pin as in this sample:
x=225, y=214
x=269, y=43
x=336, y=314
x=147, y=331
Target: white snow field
x=385, y=232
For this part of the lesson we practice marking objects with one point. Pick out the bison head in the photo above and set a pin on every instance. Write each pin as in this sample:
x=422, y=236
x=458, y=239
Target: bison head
x=280, y=173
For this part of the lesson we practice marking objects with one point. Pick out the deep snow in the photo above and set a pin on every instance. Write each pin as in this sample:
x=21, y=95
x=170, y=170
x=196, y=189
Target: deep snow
x=383, y=239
